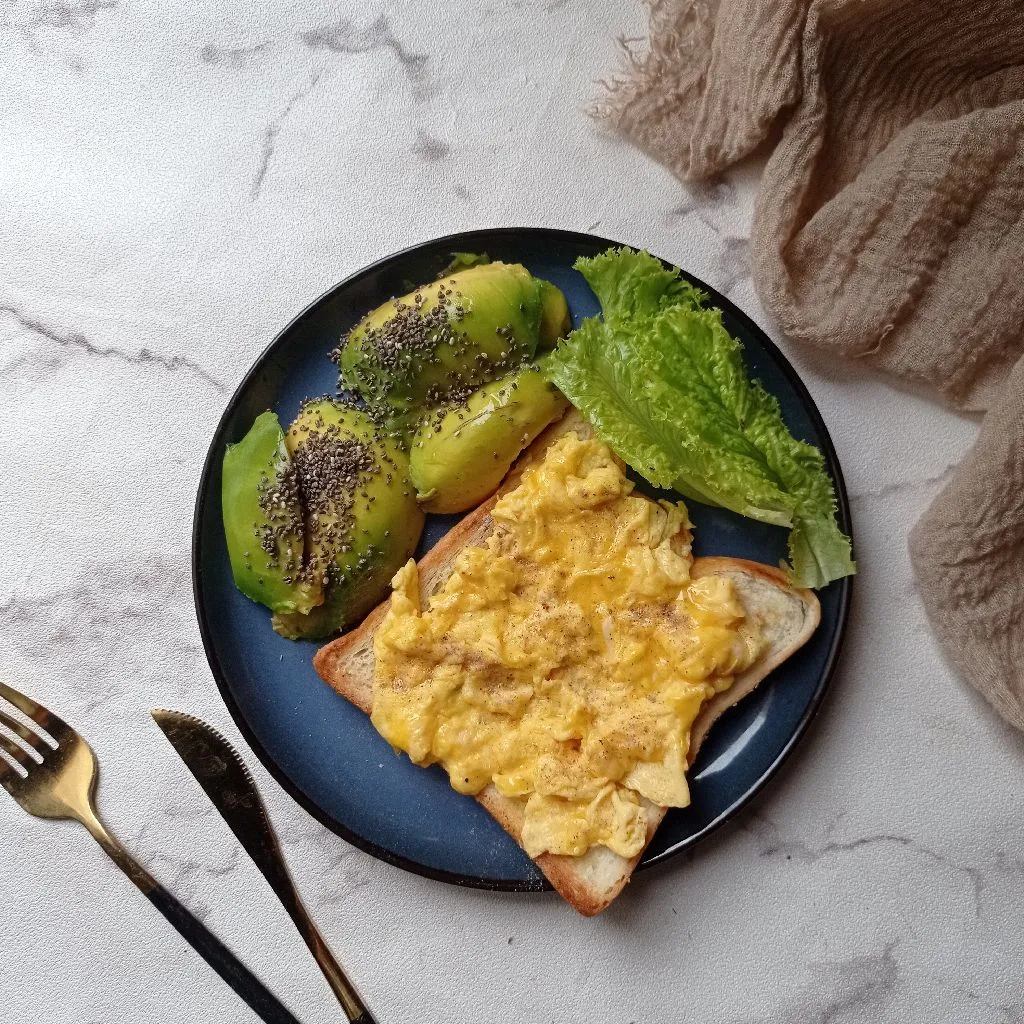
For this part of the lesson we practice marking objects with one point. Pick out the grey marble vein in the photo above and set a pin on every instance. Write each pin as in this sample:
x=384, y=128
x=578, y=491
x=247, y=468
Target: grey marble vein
x=34, y=22
x=733, y=263
x=77, y=15
x=900, y=487
x=846, y=990
x=703, y=197
x=104, y=620
x=712, y=204
x=345, y=36
x=232, y=56
x=272, y=131
x=76, y=341
x=342, y=877
x=429, y=148
x=194, y=878
x=773, y=844
x=996, y=1011
x=871, y=980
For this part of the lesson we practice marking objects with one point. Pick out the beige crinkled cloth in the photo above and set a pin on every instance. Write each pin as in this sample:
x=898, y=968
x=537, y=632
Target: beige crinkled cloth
x=888, y=228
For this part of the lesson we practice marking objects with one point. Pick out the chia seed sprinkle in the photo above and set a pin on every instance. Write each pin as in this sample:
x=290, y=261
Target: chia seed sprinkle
x=316, y=490
x=386, y=362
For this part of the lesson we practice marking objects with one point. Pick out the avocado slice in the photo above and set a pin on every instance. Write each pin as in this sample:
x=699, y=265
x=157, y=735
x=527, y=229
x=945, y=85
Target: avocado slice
x=362, y=518
x=440, y=342
x=457, y=461
x=263, y=526
x=554, y=315
x=462, y=260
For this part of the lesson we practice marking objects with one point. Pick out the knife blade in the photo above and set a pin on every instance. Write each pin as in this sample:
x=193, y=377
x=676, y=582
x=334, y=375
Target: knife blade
x=226, y=780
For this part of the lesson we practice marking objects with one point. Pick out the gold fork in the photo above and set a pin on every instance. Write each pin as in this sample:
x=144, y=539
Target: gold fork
x=56, y=777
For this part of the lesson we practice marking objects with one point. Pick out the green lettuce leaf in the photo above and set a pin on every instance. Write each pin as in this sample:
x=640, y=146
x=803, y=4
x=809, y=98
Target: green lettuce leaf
x=665, y=386
x=631, y=284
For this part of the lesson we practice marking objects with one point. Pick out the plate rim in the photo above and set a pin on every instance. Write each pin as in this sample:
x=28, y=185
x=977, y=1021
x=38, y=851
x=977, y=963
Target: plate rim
x=459, y=240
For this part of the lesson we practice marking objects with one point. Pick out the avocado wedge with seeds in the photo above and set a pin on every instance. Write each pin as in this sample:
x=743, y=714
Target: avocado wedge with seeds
x=449, y=337
x=362, y=518
x=262, y=514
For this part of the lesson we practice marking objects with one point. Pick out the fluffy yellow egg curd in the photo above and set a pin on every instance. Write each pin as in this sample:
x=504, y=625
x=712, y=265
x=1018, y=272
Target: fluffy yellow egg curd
x=567, y=659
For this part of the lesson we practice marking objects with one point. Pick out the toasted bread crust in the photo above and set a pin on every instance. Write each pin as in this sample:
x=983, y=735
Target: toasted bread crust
x=590, y=882
x=745, y=684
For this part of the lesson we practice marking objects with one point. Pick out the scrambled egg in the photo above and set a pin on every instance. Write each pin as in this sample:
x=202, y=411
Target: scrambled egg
x=565, y=661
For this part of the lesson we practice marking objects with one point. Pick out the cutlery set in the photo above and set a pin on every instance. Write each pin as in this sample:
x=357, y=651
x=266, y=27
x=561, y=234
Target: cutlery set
x=52, y=772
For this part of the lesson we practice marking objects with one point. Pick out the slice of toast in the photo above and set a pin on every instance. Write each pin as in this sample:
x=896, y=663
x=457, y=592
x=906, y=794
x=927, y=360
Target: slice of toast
x=787, y=616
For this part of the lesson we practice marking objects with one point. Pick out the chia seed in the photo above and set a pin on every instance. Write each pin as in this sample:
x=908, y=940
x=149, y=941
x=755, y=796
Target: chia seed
x=389, y=358
x=316, y=490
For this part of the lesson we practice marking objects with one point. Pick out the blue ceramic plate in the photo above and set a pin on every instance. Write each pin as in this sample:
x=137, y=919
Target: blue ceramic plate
x=325, y=752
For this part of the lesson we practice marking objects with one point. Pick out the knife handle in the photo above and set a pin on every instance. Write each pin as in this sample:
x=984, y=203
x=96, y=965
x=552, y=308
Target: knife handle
x=345, y=992
x=246, y=985
x=269, y=859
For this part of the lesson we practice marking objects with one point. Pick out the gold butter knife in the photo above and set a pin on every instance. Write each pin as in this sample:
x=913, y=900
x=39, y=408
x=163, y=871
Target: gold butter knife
x=222, y=773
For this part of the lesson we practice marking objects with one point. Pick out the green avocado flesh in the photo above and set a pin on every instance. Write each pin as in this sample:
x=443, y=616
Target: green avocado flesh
x=358, y=533
x=263, y=521
x=439, y=343
x=554, y=315
x=458, y=462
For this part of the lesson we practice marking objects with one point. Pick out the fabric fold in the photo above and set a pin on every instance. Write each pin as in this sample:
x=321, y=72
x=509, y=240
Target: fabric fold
x=889, y=228
x=968, y=555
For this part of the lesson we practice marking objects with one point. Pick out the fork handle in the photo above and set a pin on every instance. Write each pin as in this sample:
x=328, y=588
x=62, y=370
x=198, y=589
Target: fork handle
x=246, y=985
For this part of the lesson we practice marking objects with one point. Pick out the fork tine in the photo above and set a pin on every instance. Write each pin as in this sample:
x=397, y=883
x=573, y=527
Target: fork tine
x=40, y=715
x=9, y=777
x=33, y=739
x=16, y=752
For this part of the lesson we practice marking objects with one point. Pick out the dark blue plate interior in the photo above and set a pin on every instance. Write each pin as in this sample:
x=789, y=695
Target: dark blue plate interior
x=325, y=752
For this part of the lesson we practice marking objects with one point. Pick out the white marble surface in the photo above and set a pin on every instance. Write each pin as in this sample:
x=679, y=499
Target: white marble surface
x=177, y=180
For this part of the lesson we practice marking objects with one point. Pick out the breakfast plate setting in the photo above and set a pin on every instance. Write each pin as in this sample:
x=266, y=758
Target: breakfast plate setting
x=434, y=440
x=521, y=411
